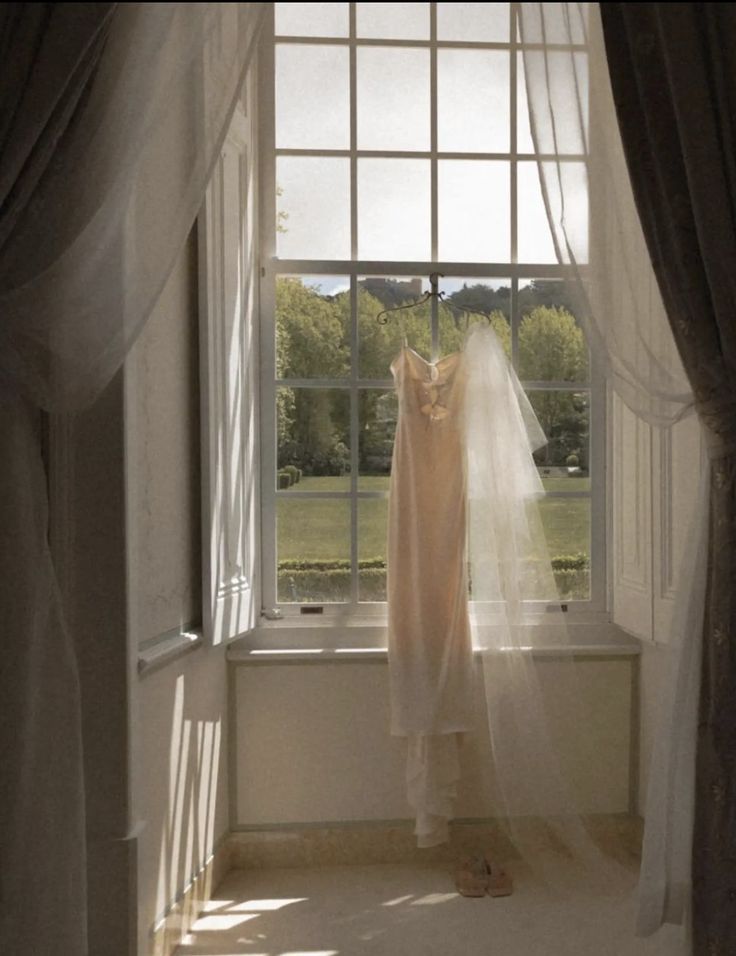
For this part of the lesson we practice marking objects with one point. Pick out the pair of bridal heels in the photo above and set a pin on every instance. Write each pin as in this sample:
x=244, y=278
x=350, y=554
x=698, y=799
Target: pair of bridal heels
x=479, y=876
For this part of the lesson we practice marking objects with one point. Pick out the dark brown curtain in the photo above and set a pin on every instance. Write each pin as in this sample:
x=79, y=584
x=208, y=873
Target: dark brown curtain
x=48, y=52
x=673, y=73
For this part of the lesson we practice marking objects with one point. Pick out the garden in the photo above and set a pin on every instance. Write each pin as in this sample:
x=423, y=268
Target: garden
x=313, y=425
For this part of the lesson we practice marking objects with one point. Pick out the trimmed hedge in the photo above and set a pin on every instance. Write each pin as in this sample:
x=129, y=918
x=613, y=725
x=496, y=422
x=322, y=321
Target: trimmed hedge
x=563, y=562
x=311, y=583
x=328, y=564
x=571, y=562
x=293, y=472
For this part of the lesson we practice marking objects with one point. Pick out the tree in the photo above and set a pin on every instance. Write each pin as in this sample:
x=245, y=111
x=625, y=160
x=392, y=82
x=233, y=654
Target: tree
x=552, y=348
x=549, y=292
x=483, y=298
x=311, y=342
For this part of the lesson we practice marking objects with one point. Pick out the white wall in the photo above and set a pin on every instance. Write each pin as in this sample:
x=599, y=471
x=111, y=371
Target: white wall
x=179, y=770
x=163, y=459
x=313, y=744
x=181, y=773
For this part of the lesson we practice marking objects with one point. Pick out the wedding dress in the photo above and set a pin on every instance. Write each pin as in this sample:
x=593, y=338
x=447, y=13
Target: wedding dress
x=462, y=476
x=430, y=651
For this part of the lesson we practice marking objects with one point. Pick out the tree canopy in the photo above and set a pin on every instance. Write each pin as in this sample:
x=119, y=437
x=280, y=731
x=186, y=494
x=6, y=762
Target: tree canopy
x=313, y=341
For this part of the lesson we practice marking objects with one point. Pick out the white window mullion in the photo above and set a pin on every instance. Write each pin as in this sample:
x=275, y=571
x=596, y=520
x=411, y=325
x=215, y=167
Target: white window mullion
x=513, y=107
x=354, y=345
x=354, y=269
x=267, y=143
x=434, y=171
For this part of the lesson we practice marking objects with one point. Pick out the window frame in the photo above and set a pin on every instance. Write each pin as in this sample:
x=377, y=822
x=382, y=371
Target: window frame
x=596, y=607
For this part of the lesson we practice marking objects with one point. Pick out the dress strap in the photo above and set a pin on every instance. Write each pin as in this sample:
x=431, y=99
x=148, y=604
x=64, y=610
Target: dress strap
x=402, y=327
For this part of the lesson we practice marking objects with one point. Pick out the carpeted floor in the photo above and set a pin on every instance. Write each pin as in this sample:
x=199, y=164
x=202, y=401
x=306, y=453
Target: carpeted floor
x=407, y=909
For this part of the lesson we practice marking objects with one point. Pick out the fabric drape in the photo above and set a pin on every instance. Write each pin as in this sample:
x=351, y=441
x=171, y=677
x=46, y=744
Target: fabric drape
x=673, y=72
x=49, y=55
x=581, y=163
x=111, y=118
x=106, y=199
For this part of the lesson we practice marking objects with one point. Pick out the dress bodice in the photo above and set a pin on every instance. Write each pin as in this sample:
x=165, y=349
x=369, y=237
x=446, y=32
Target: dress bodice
x=429, y=388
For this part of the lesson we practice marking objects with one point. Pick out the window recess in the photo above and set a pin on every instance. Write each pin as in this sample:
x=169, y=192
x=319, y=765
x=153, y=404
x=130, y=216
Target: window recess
x=395, y=144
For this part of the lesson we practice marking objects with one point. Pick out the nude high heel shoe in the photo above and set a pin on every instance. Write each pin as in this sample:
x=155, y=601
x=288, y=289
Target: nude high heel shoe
x=471, y=877
x=500, y=882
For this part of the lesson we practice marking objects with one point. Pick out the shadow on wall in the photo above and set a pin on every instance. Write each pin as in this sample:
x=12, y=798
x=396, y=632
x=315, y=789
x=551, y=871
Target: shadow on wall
x=179, y=790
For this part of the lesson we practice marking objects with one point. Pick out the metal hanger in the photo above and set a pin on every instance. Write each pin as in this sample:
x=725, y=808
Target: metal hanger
x=434, y=293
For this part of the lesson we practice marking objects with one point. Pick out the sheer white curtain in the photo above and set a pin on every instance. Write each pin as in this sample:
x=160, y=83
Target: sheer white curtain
x=575, y=134
x=113, y=115
x=93, y=245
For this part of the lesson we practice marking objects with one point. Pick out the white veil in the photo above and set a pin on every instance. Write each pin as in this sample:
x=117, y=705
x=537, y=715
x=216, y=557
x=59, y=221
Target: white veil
x=515, y=610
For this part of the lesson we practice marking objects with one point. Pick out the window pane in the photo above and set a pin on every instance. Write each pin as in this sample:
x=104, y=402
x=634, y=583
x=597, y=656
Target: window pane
x=372, y=531
x=566, y=181
x=312, y=97
x=474, y=211
x=482, y=22
x=574, y=179
x=379, y=343
x=564, y=461
x=566, y=71
x=313, y=550
x=490, y=296
x=552, y=345
x=473, y=101
x=313, y=434
x=564, y=24
x=566, y=524
x=377, y=414
x=313, y=207
x=312, y=327
x=393, y=21
x=393, y=209
x=534, y=240
x=524, y=142
x=312, y=19
x=393, y=98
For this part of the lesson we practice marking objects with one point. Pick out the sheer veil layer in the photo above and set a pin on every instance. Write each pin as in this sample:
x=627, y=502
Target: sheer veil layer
x=517, y=620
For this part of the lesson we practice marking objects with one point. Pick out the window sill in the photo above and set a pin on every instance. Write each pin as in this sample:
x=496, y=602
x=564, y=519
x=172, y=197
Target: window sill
x=286, y=642
x=166, y=648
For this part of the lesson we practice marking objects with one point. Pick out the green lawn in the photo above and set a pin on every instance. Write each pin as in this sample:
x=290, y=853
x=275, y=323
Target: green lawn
x=320, y=529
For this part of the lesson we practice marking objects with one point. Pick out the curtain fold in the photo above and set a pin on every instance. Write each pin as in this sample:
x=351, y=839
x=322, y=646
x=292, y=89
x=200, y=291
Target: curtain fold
x=629, y=318
x=111, y=119
x=113, y=180
x=673, y=72
x=42, y=818
x=591, y=211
